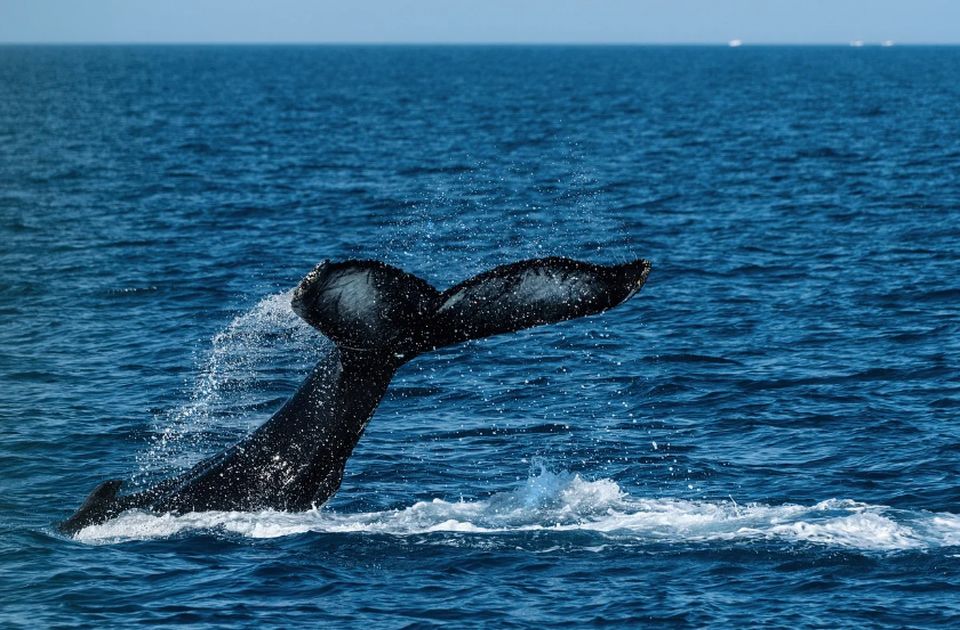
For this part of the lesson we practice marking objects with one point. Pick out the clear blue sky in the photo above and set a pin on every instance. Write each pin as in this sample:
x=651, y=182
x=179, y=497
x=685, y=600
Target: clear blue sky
x=459, y=21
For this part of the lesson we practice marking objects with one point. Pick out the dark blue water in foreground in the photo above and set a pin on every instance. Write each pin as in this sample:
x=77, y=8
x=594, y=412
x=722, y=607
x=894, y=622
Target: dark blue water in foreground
x=768, y=434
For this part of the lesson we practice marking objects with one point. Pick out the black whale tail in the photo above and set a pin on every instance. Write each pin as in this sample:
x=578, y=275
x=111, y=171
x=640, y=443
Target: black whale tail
x=367, y=306
x=100, y=506
x=379, y=316
x=370, y=306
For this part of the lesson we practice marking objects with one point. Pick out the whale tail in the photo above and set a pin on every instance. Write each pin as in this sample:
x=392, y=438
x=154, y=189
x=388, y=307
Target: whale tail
x=100, y=506
x=370, y=306
x=366, y=305
x=379, y=316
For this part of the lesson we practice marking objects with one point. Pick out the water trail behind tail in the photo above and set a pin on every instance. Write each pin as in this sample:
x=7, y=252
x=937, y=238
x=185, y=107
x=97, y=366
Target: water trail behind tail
x=565, y=502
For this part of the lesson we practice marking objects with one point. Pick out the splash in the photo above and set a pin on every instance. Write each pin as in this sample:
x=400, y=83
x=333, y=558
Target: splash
x=266, y=344
x=565, y=502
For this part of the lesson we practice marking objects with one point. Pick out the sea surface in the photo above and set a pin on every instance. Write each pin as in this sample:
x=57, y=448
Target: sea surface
x=768, y=434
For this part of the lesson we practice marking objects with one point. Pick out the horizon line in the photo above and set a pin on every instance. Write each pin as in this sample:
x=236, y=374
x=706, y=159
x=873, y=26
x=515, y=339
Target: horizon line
x=854, y=43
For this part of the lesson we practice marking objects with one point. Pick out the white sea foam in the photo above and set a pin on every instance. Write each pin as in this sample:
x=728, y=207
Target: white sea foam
x=563, y=502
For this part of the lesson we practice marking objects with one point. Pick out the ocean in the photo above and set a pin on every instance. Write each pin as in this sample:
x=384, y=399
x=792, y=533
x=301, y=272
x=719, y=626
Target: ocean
x=767, y=435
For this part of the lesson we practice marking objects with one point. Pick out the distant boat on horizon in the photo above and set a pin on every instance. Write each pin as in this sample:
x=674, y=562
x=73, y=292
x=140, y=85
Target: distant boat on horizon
x=735, y=43
x=857, y=43
x=887, y=43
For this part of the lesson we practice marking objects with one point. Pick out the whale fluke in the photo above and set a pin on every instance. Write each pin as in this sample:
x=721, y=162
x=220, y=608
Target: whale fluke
x=531, y=293
x=379, y=317
x=369, y=305
x=366, y=304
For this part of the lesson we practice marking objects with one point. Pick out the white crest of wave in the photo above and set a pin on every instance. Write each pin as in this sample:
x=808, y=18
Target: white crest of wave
x=562, y=502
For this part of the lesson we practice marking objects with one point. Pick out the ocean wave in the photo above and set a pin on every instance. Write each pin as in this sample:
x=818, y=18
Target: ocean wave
x=565, y=502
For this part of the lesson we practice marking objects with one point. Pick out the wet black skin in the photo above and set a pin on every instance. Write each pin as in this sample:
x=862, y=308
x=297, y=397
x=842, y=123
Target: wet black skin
x=380, y=317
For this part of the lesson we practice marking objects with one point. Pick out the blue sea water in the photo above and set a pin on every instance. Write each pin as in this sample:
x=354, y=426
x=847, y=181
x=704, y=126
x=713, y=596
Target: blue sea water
x=766, y=435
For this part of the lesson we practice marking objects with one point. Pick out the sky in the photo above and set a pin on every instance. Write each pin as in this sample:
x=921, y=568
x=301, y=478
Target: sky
x=479, y=21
